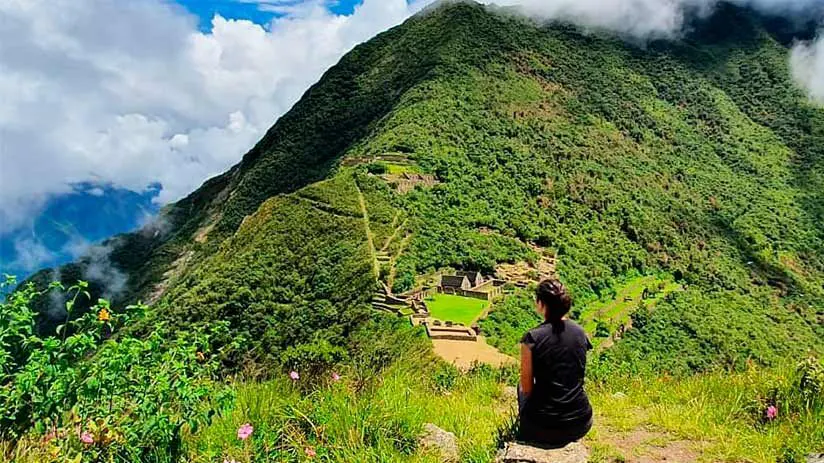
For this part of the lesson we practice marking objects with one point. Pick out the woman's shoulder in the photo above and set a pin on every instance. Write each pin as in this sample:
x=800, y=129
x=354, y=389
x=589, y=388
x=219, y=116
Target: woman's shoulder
x=534, y=334
x=573, y=325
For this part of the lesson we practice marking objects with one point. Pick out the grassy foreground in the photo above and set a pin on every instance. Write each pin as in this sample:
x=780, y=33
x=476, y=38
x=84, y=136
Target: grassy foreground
x=715, y=416
x=362, y=418
x=365, y=416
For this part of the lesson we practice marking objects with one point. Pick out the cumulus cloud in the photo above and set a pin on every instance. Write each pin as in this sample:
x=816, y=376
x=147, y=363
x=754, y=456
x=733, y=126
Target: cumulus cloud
x=131, y=93
x=101, y=270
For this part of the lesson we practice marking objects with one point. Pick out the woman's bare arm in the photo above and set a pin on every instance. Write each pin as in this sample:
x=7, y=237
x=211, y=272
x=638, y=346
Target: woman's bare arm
x=526, y=370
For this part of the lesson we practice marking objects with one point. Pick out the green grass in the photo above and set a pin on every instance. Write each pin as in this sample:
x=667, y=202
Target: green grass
x=369, y=418
x=718, y=414
x=374, y=416
x=397, y=169
x=458, y=309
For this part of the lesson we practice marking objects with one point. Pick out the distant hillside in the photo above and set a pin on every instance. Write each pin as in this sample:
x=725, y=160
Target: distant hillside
x=696, y=159
x=57, y=234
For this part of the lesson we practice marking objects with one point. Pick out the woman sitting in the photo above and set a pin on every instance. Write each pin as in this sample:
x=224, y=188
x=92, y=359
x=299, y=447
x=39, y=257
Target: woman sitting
x=553, y=408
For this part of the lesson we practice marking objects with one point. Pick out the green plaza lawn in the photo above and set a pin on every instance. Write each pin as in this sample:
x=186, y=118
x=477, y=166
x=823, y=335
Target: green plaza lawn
x=458, y=309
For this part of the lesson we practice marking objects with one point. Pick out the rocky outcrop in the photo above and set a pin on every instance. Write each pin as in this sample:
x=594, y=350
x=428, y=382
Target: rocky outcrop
x=521, y=453
x=436, y=440
x=815, y=458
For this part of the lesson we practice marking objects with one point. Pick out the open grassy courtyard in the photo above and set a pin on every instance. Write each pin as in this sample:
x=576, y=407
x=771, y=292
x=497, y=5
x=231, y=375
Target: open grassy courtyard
x=458, y=309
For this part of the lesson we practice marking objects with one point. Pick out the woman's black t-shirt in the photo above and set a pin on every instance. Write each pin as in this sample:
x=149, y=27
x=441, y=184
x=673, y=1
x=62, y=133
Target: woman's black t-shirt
x=559, y=361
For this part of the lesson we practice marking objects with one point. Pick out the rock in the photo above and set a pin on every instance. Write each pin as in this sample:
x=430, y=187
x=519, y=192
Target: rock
x=437, y=440
x=815, y=458
x=521, y=453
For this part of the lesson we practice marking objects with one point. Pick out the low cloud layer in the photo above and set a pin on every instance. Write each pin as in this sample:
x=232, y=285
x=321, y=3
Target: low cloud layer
x=131, y=93
x=807, y=60
x=646, y=19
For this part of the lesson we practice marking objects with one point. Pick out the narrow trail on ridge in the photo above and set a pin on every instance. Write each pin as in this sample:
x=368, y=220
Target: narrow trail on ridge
x=394, y=234
x=327, y=208
x=392, y=269
x=375, y=265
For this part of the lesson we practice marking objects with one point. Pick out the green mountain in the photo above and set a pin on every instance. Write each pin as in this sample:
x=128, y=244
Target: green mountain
x=677, y=188
x=696, y=160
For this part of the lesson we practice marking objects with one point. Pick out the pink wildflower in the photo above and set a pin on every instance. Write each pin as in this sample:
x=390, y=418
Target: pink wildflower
x=772, y=412
x=86, y=438
x=310, y=452
x=335, y=377
x=244, y=431
x=294, y=375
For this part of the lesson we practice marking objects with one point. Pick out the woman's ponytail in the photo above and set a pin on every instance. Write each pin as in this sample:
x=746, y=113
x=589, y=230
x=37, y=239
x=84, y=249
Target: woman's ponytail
x=557, y=302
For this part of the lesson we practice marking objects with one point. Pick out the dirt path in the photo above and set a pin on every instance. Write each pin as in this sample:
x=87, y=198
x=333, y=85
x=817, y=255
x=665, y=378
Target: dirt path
x=641, y=445
x=324, y=207
x=394, y=234
x=375, y=265
x=464, y=353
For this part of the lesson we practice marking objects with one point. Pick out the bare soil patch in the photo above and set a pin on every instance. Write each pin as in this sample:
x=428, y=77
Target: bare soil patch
x=645, y=446
x=464, y=353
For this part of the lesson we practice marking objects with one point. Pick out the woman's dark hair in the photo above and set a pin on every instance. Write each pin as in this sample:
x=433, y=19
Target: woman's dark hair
x=556, y=300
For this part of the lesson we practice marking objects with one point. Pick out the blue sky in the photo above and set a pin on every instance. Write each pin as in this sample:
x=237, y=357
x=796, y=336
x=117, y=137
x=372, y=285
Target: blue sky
x=249, y=9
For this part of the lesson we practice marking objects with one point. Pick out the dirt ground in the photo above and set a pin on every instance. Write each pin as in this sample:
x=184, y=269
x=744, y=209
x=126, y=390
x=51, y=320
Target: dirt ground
x=463, y=353
x=645, y=446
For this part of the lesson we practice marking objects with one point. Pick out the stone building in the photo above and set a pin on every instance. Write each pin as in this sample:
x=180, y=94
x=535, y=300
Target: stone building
x=455, y=282
x=475, y=278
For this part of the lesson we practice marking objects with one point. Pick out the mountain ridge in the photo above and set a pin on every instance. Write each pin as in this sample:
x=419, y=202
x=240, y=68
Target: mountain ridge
x=580, y=143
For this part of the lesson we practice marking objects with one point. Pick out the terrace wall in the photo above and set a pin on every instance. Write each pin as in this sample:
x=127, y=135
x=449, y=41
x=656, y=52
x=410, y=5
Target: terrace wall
x=468, y=293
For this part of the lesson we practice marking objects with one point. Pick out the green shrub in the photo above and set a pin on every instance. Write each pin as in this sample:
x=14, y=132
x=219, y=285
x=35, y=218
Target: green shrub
x=94, y=395
x=445, y=377
x=377, y=168
x=601, y=329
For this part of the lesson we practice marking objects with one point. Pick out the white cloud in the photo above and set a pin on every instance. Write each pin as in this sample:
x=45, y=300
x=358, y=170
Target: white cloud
x=646, y=19
x=31, y=255
x=807, y=62
x=130, y=93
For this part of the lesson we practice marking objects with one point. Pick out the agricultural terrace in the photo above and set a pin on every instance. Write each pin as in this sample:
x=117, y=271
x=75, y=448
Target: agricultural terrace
x=458, y=309
x=629, y=297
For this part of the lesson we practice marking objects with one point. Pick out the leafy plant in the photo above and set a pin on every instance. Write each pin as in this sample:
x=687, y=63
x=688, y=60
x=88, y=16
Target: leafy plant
x=95, y=395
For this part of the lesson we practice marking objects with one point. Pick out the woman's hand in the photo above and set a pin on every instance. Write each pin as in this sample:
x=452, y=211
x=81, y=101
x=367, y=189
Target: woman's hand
x=526, y=370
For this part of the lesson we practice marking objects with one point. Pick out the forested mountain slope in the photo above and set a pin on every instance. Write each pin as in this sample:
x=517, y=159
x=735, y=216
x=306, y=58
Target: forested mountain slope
x=695, y=158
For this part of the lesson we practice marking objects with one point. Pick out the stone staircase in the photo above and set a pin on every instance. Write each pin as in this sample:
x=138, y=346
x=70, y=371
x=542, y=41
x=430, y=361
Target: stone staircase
x=381, y=301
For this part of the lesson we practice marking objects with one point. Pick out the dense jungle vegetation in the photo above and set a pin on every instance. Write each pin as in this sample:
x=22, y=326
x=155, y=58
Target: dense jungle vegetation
x=695, y=159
